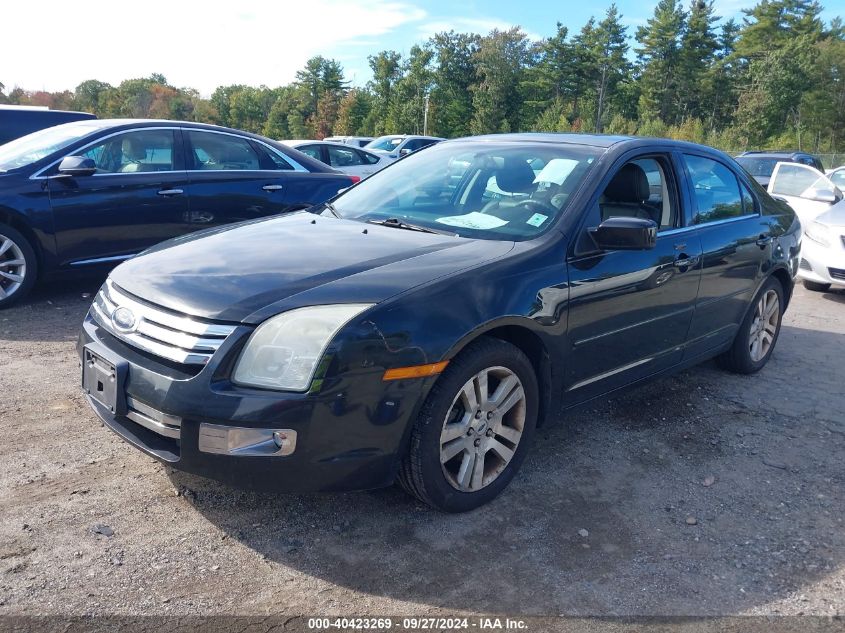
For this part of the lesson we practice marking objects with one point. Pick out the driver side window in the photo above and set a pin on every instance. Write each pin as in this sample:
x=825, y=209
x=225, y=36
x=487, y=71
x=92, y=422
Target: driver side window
x=133, y=152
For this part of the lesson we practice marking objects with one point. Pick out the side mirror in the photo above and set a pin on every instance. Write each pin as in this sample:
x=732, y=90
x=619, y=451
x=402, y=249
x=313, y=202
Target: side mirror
x=824, y=195
x=73, y=166
x=625, y=234
x=404, y=152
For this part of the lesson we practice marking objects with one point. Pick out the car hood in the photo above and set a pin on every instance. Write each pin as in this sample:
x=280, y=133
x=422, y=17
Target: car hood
x=834, y=216
x=249, y=272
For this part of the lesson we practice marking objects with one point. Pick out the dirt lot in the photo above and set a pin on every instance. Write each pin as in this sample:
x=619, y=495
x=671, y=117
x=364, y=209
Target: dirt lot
x=756, y=463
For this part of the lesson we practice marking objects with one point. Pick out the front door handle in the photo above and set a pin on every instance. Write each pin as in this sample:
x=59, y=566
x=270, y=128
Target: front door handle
x=764, y=240
x=272, y=187
x=170, y=192
x=686, y=261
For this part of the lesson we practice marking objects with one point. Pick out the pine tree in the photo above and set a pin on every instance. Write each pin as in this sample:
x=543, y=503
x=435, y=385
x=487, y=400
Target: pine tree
x=659, y=58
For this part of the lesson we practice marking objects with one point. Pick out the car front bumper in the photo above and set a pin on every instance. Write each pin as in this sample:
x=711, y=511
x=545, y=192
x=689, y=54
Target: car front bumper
x=823, y=264
x=349, y=436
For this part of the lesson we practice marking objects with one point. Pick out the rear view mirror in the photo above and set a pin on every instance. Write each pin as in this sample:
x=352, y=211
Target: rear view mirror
x=626, y=234
x=74, y=166
x=824, y=195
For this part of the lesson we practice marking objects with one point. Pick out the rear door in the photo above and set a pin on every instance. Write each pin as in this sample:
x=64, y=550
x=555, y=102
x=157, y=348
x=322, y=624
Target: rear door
x=736, y=242
x=136, y=198
x=630, y=311
x=808, y=191
x=232, y=178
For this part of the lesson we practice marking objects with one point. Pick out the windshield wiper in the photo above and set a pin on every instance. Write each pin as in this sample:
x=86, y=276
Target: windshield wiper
x=332, y=210
x=396, y=223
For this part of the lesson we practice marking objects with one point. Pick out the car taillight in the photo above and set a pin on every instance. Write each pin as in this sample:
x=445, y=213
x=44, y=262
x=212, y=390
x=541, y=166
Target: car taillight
x=355, y=179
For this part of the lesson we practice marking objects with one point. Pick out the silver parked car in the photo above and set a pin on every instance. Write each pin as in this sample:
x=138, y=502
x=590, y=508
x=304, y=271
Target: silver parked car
x=346, y=158
x=355, y=141
x=397, y=145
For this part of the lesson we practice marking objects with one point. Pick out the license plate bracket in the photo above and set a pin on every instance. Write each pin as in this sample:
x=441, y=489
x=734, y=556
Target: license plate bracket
x=103, y=380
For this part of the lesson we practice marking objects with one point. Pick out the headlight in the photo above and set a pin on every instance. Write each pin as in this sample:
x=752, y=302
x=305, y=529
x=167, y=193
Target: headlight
x=283, y=352
x=818, y=233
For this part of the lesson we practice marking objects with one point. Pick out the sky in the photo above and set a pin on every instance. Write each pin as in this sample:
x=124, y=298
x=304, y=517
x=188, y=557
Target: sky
x=55, y=44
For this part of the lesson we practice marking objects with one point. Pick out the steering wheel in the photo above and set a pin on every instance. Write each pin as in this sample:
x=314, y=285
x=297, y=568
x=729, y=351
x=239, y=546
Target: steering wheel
x=536, y=206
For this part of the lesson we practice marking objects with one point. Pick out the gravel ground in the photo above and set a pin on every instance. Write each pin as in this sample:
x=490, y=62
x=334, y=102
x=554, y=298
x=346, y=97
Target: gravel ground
x=700, y=494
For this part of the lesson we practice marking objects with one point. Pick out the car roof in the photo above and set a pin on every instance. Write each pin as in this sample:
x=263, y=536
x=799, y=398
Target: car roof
x=603, y=141
x=773, y=154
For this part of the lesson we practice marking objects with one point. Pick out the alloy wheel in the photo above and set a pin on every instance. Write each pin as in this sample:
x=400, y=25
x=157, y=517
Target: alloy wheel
x=482, y=429
x=12, y=267
x=764, y=326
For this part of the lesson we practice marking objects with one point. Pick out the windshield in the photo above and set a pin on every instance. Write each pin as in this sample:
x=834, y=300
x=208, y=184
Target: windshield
x=758, y=166
x=33, y=147
x=496, y=191
x=385, y=143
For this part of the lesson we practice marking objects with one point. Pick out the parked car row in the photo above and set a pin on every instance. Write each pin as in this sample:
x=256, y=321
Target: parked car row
x=92, y=193
x=422, y=324
x=341, y=152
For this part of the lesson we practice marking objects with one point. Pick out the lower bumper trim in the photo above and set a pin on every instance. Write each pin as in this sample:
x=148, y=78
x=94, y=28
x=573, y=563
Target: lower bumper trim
x=246, y=442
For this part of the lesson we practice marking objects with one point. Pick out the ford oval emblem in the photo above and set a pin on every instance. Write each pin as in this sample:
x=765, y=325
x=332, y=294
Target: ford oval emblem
x=124, y=320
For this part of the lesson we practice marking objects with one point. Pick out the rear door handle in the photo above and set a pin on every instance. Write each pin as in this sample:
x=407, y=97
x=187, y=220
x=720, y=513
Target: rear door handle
x=170, y=192
x=272, y=187
x=764, y=240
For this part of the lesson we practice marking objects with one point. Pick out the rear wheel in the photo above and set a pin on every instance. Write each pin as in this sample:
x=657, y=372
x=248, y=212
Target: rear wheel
x=758, y=333
x=18, y=266
x=815, y=286
x=474, y=429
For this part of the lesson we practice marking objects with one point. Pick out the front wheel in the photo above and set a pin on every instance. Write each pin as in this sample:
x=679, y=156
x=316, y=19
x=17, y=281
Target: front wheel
x=758, y=333
x=474, y=429
x=18, y=266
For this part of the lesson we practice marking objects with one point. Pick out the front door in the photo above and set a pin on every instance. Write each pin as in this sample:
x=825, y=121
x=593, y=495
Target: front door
x=808, y=191
x=136, y=198
x=630, y=311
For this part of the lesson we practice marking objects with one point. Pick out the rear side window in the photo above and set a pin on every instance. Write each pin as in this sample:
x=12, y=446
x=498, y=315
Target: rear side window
x=715, y=189
x=311, y=150
x=367, y=158
x=212, y=151
x=343, y=156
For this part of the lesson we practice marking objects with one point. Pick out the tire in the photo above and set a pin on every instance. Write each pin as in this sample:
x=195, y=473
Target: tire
x=494, y=441
x=742, y=358
x=815, y=286
x=18, y=266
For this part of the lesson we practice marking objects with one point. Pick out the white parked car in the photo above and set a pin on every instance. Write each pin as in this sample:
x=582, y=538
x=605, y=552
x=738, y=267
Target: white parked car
x=398, y=145
x=346, y=158
x=356, y=141
x=837, y=177
x=820, y=205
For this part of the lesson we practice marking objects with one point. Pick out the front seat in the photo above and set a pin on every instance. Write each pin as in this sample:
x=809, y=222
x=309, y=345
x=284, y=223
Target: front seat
x=625, y=196
x=134, y=151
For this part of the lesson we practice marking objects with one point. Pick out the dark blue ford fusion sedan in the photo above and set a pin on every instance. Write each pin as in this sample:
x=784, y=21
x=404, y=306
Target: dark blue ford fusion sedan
x=93, y=193
x=421, y=325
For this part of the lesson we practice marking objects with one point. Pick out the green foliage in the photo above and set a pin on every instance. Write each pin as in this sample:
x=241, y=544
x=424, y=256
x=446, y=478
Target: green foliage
x=776, y=79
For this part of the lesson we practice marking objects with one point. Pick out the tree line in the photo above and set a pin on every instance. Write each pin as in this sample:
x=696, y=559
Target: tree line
x=775, y=78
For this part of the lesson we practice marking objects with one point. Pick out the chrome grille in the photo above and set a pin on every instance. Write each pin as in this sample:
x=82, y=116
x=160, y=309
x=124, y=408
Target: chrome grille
x=169, y=335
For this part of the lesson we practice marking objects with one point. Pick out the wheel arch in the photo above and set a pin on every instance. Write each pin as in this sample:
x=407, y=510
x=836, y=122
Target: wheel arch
x=521, y=335
x=17, y=222
x=782, y=275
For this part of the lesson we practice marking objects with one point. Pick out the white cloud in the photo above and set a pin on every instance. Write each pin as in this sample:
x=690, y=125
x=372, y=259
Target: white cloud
x=481, y=26
x=201, y=44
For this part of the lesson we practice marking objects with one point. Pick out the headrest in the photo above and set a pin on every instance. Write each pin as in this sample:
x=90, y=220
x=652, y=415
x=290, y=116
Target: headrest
x=628, y=185
x=133, y=149
x=515, y=176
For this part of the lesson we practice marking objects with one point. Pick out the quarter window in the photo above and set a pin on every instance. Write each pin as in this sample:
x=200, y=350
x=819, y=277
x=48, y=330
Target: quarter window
x=211, y=151
x=716, y=190
x=134, y=152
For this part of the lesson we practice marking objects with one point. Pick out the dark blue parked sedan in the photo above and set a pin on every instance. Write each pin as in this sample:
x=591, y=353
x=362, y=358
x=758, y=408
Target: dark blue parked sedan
x=93, y=193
